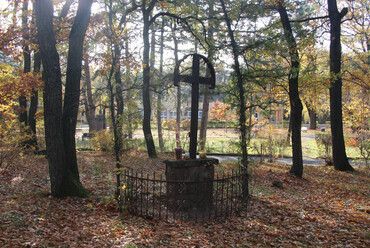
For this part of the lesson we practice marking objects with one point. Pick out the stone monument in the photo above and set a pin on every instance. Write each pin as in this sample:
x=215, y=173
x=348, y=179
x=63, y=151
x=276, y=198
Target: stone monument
x=190, y=181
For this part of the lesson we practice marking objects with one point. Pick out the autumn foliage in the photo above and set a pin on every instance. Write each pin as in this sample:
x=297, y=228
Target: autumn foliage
x=14, y=83
x=221, y=111
x=326, y=209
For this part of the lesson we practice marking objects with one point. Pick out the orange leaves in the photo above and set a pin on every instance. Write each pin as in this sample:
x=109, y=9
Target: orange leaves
x=14, y=84
x=328, y=209
x=221, y=111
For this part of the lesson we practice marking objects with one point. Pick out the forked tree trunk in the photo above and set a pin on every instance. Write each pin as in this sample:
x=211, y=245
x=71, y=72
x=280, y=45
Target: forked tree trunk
x=63, y=177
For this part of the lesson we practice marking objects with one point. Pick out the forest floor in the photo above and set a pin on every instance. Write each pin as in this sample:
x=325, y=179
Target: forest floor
x=327, y=208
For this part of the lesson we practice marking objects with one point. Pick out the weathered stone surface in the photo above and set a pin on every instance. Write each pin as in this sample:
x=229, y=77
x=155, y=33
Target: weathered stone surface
x=190, y=185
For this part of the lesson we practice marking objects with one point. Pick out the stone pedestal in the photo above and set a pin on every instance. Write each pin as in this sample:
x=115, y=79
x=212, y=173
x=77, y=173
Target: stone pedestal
x=99, y=122
x=190, y=184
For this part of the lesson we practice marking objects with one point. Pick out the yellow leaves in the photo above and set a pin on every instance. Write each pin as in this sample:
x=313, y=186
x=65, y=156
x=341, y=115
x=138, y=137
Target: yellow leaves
x=14, y=83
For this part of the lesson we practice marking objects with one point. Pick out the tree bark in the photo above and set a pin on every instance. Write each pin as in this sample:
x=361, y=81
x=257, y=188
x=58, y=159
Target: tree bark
x=64, y=181
x=128, y=95
x=312, y=115
x=289, y=135
x=34, y=102
x=119, y=96
x=295, y=102
x=204, y=119
x=242, y=104
x=52, y=96
x=89, y=102
x=27, y=60
x=146, y=81
x=178, y=93
x=115, y=93
x=159, y=94
x=72, y=89
x=23, y=117
x=336, y=116
x=206, y=96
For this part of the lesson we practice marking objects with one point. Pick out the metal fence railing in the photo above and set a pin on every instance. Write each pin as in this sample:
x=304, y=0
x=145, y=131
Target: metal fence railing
x=152, y=196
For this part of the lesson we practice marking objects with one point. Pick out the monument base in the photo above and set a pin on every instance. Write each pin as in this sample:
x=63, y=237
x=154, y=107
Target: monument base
x=190, y=184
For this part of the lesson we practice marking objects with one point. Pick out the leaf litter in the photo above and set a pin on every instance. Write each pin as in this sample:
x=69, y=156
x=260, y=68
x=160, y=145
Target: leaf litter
x=325, y=209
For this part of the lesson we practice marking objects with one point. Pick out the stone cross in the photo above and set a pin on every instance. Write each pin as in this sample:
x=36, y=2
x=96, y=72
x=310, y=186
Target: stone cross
x=195, y=79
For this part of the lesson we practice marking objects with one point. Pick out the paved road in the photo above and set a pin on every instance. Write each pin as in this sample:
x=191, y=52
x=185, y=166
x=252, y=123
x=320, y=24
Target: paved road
x=306, y=160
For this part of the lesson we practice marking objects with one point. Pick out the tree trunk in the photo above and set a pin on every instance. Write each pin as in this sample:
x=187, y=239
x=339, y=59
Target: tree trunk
x=117, y=143
x=312, y=116
x=146, y=83
x=34, y=102
x=206, y=97
x=178, y=93
x=288, y=139
x=178, y=116
x=23, y=117
x=52, y=97
x=89, y=102
x=204, y=120
x=72, y=89
x=64, y=181
x=115, y=93
x=119, y=96
x=159, y=94
x=128, y=95
x=295, y=102
x=336, y=116
x=242, y=104
x=159, y=121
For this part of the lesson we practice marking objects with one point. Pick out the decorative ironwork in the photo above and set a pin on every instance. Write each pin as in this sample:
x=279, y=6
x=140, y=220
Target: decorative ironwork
x=147, y=196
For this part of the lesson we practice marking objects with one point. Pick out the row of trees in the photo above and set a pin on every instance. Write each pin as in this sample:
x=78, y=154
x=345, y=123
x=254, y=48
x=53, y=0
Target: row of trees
x=273, y=47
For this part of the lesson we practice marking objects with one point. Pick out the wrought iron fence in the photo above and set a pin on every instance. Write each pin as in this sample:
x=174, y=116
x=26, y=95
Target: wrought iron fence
x=155, y=197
